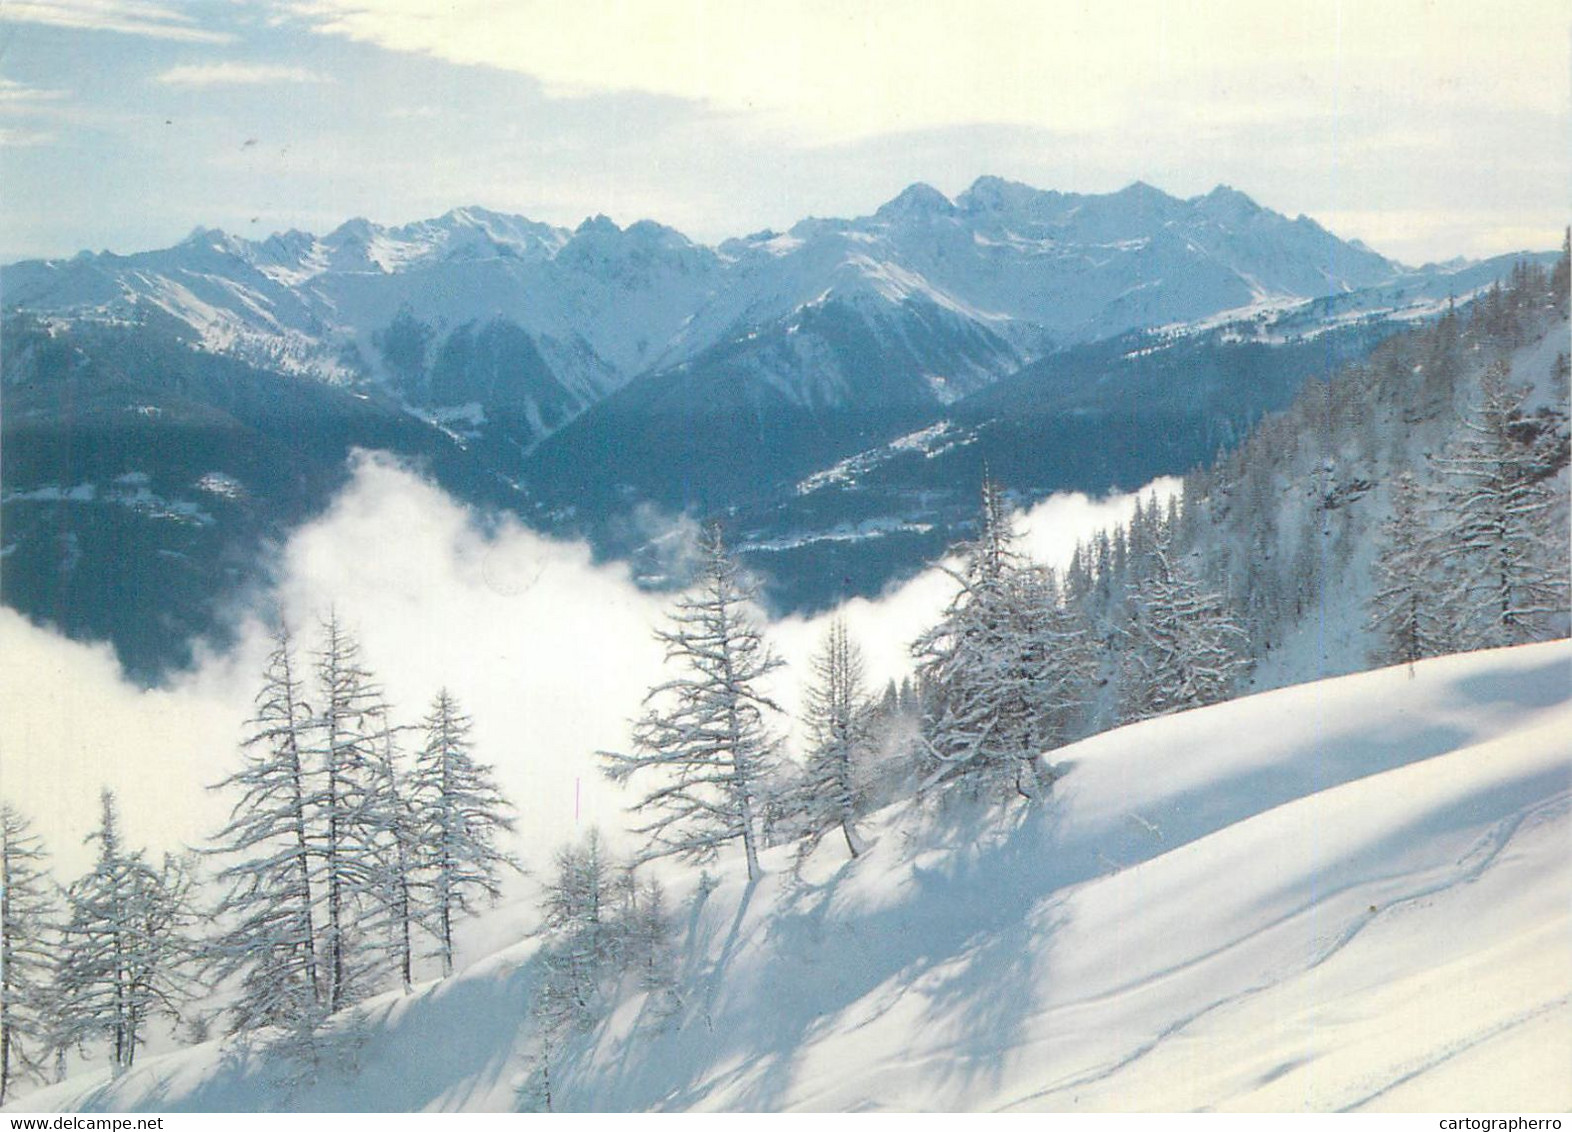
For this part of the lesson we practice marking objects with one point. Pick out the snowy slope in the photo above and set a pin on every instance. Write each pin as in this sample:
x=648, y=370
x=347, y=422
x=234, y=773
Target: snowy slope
x=1355, y=894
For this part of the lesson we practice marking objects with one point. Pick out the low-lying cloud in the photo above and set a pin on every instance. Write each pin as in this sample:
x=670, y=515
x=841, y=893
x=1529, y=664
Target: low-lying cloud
x=550, y=652
x=885, y=627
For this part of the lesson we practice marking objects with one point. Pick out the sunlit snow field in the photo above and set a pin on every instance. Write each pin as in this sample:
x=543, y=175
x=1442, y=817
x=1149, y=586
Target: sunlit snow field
x=1355, y=894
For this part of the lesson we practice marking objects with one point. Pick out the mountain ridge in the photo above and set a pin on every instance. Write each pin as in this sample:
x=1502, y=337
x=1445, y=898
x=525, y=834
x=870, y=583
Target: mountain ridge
x=474, y=232
x=602, y=305
x=574, y=377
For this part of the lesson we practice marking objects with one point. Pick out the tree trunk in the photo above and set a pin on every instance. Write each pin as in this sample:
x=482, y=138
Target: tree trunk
x=854, y=843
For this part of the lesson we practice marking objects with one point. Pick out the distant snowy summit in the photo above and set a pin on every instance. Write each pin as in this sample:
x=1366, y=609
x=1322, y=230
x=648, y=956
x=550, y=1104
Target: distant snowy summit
x=478, y=315
x=1039, y=267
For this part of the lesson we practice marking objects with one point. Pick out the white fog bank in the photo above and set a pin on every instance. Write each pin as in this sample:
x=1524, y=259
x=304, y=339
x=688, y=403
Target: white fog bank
x=550, y=652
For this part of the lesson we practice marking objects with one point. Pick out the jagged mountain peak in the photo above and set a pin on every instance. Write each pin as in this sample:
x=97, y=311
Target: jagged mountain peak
x=203, y=241
x=1228, y=194
x=1144, y=191
x=600, y=223
x=916, y=200
x=995, y=194
x=654, y=233
x=1139, y=204
x=201, y=235
x=292, y=237
x=599, y=244
x=355, y=228
x=477, y=216
x=473, y=232
x=1228, y=206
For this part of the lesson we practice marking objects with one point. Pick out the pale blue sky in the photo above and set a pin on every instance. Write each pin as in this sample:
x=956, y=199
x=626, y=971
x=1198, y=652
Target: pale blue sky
x=1429, y=128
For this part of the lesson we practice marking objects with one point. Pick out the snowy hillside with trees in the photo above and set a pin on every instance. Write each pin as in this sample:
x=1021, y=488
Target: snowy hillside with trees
x=1408, y=506
x=693, y=557
x=1059, y=866
x=1347, y=895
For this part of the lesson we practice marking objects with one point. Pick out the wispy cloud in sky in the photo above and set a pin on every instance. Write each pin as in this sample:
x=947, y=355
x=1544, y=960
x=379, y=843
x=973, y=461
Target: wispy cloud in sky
x=1429, y=128
x=14, y=138
x=236, y=74
x=831, y=71
x=14, y=95
x=128, y=17
x=20, y=108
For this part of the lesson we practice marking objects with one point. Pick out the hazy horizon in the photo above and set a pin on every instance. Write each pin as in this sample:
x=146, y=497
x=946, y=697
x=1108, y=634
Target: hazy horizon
x=627, y=221
x=1426, y=130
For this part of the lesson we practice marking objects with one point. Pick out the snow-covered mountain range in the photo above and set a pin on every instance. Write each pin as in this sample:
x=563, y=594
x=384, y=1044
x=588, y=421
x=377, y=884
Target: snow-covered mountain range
x=583, y=378
x=972, y=287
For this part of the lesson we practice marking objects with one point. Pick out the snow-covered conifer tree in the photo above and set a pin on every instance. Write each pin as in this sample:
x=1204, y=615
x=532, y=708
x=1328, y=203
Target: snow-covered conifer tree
x=579, y=917
x=126, y=945
x=1560, y=283
x=356, y=821
x=647, y=932
x=1506, y=565
x=271, y=933
x=1441, y=367
x=318, y=847
x=396, y=859
x=1079, y=579
x=704, y=736
x=1403, y=608
x=598, y=924
x=27, y=923
x=458, y=815
x=1004, y=670
x=1182, y=647
x=832, y=793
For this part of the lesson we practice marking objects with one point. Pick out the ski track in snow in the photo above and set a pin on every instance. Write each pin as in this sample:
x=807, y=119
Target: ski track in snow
x=1486, y=852
x=1455, y=1050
